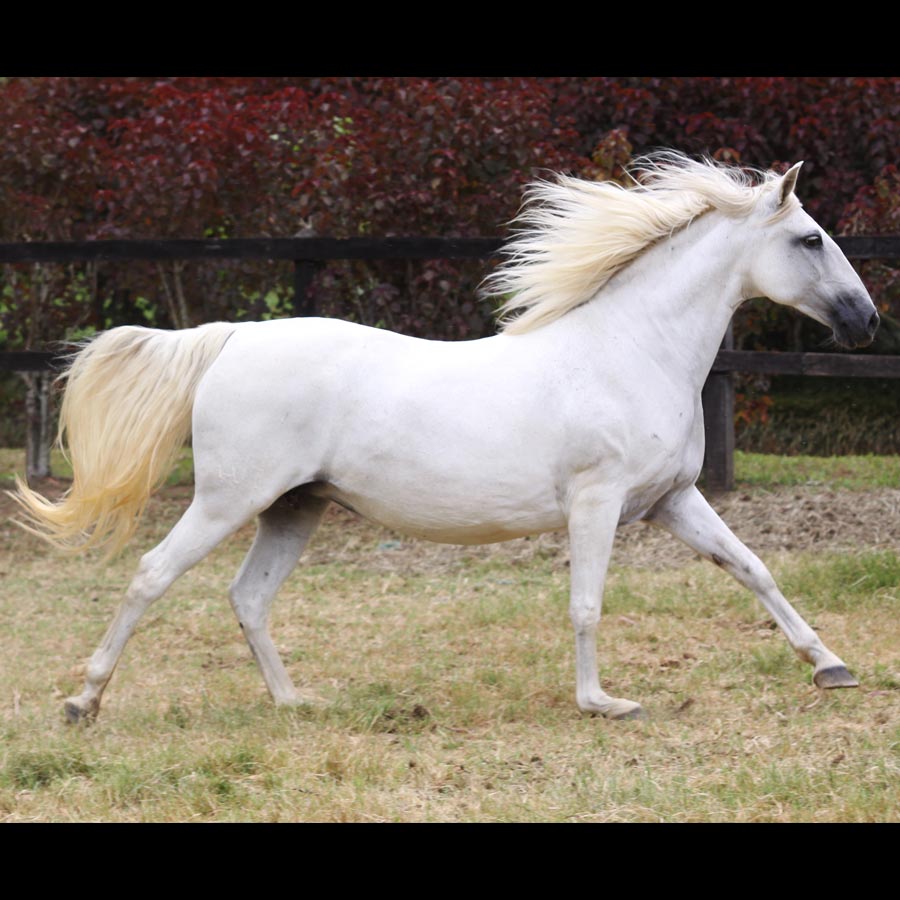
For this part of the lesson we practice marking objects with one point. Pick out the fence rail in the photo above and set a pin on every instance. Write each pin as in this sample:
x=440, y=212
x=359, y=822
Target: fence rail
x=307, y=253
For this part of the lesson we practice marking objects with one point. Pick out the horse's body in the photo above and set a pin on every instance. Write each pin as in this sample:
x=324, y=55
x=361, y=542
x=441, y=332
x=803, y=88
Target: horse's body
x=420, y=435
x=583, y=414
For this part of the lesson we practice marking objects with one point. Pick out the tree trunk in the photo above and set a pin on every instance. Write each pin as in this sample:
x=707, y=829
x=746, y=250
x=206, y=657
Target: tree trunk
x=39, y=432
x=174, y=293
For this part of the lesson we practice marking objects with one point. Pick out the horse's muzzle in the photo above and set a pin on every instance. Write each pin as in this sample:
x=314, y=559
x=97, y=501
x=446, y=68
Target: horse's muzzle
x=854, y=321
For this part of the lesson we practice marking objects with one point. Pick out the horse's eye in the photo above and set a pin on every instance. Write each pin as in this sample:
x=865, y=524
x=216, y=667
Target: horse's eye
x=813, y=240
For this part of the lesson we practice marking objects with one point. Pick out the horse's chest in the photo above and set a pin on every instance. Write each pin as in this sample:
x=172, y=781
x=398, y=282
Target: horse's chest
x=642, y=450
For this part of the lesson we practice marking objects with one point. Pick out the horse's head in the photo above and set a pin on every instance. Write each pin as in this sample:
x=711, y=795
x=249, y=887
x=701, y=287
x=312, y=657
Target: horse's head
x=797, y=264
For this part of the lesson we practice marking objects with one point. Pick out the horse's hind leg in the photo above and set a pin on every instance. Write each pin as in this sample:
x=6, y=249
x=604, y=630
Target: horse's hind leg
x=689, y=517
x=283, y=532
x=193, y=537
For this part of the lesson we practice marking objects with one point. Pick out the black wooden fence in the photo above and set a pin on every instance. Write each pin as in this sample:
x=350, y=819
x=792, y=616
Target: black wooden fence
x=308, y=253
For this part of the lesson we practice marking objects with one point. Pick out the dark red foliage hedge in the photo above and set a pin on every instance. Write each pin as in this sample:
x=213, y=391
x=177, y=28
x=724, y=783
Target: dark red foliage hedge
x=245, y=157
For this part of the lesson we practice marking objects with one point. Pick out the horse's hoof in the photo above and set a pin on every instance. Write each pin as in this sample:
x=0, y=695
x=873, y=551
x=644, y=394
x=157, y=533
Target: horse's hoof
x=834, y=677
x=635, y=712
x=306, y=698
x=76, y=713
x=618, y=709
x=613, y=708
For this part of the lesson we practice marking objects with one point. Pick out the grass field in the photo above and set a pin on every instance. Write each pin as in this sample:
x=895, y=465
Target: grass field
x=444, y=676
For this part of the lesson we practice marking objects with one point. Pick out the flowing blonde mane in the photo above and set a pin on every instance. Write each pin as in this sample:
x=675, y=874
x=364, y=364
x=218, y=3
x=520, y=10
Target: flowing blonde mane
x=574, y=234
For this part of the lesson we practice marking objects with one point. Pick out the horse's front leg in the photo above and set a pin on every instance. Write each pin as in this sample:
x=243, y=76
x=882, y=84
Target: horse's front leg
x=592, y=523
x=691, y=519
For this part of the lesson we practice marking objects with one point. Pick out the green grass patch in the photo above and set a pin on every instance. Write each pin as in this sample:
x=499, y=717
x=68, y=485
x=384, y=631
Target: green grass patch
x=32, y=769
x=858, y=473
x=846, y=581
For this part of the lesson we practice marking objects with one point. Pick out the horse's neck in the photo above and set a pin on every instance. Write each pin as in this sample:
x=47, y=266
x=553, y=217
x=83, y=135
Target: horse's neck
x=675, y=301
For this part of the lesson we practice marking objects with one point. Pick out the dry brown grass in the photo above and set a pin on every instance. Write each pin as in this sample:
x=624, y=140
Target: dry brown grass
x=446, y=681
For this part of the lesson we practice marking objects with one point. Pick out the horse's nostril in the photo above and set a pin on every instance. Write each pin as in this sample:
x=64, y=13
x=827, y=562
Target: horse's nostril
x=873, y=324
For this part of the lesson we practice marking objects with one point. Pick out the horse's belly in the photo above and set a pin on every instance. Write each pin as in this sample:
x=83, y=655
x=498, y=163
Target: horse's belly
x=441, y=517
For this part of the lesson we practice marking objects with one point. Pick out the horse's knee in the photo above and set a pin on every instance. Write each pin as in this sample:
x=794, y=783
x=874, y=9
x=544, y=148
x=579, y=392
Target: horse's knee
x=584, y=616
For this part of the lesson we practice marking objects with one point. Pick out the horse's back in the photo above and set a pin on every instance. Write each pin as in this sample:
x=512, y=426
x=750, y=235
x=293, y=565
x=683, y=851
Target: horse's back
x=294, y=364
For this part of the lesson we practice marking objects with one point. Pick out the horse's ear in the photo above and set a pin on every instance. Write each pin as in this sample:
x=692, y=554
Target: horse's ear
x=789, y=182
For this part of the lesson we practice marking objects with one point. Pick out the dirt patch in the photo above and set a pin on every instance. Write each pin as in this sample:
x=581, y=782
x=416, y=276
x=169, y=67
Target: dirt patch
x=790, y=518
x=768, y=521
x=786, y=519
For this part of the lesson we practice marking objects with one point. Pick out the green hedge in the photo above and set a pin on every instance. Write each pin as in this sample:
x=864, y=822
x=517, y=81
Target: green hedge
x=826, y=417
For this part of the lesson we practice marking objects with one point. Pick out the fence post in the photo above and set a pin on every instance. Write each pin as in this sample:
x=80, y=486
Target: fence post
x=38, y=435
x=304, y=272
x=718, y=420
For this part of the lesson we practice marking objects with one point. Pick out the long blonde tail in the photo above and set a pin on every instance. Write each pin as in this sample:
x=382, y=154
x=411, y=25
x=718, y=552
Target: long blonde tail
x=126, y=413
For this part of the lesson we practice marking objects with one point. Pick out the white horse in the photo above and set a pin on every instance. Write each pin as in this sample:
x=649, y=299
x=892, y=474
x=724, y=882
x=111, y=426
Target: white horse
x=583, y=413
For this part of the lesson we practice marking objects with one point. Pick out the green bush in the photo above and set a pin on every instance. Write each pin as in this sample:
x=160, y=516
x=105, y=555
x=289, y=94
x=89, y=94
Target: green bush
x=826, y=417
